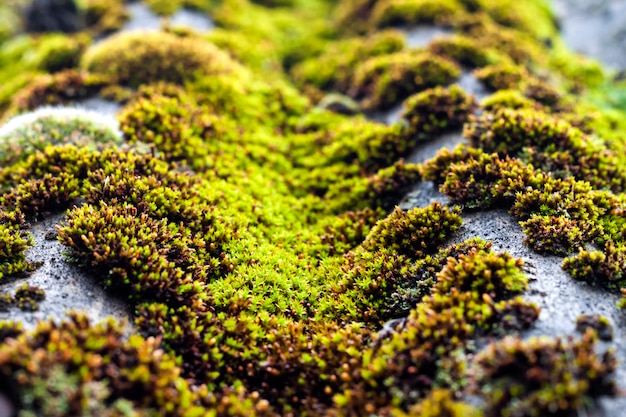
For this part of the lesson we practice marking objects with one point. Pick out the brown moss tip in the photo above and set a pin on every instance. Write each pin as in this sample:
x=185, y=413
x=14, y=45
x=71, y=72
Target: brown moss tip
x=28, y=297
x=416, y=232
x=387, y=80
x=600, y=324
x=58, y=88
x=135, y=58
x=543, y=376
x=437, y=110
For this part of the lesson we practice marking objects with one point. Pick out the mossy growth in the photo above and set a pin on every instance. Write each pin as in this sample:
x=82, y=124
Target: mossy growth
x=501, y=76
x=255, y=238
x=56, y=89
x=464, y=50
x=24, y=57
x=38, y=197
x=387, y=80
x=600, y=324
x=548, y=143
x=604, y=268
x=13, y=244
x=508, y=99
x=28, y=297
x=334, y=68
x=380, y=190
x=414, y=233
x=371, y=145
x=96, y=366
x=104, y=16
x=136, y=58
x=469, y=299
x=27, y=133
x=437, y=110
x=405, y=12
x=543, y=376
x=438, y=403
x=555, y=235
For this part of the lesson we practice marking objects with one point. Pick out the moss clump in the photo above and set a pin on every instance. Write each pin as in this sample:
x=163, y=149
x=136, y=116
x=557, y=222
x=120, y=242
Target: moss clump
x=501, y=76
x=58, y=88
x=387, y=80
x=380, y=190
x=543, y=376
x=13, y=244
x=555, y=235
x=464, y=50
x=549, y=143
x=440, y=403
x=414, y=233
x=38, y=197
x=334, y=68
x=96, y=366
x=508, y=99
x=405, y=12
x=604, y=268
x=27, y=133
x=487, y=181
x=153, y=243
x=370, y=145
x=104, y=16
x=136, y=58
x=348, y=230
x=469, y=299
x=177, y=127
x=437, y=110
x=601, y=325
x=28, y=297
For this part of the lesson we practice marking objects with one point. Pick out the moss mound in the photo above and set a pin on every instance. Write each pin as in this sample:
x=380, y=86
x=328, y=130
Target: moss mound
x=246, y=210
x=138, y=58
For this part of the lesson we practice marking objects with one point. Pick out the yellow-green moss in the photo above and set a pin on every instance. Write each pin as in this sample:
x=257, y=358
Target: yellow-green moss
x=138, y=58
x=387, y=80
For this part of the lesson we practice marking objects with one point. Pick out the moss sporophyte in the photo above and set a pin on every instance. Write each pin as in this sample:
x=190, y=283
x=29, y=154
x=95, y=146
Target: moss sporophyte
x=246, y=210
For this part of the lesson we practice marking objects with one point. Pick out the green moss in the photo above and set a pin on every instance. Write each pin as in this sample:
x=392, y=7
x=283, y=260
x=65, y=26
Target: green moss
x=59, y=88
x=404, y=12
x=27, y=297
x=254, y=235
x=508, y=99
x=440, y=403
x=381, y=190
x=387, y=80
x=604, y=268
x=96, y=366
x=600, y=324
x=501, y=76
x=464, y=50
x=104, y=16
x=334, y=68
x=140, y=58
x=542, y=375
x=555, y=235
x=36, y=198
x=549, y=143
x=414, y=233
x=437, y=110
x=13, y=244
x=27, y=133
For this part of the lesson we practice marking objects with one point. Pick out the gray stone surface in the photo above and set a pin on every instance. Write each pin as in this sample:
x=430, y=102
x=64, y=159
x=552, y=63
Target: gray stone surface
x=420, y=36
x=596, y=28
x=100, y=105
x=67, y=286
x=142, y=18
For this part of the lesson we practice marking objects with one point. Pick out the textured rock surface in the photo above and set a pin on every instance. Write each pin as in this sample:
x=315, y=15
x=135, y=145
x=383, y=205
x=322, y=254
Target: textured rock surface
x=596, y=28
